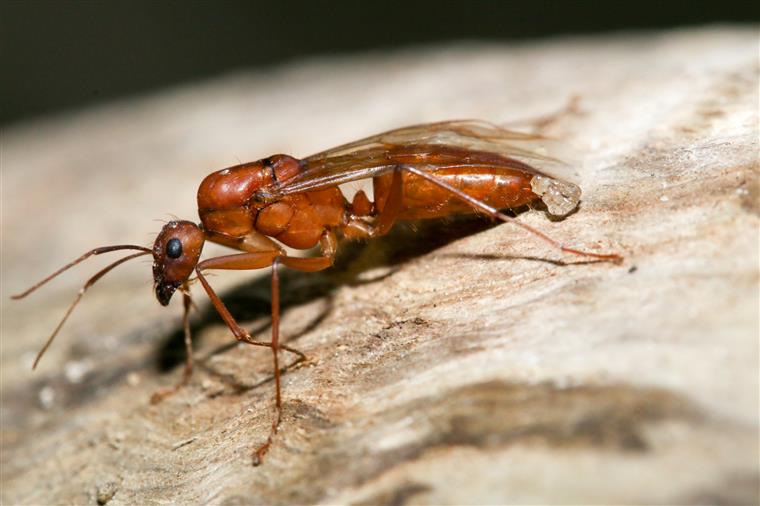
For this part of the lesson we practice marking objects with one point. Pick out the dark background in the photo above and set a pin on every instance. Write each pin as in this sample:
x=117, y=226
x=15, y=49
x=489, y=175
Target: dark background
x=59, y=55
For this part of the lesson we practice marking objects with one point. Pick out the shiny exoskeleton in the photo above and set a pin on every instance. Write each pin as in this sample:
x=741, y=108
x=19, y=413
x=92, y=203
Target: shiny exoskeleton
x=420, y=172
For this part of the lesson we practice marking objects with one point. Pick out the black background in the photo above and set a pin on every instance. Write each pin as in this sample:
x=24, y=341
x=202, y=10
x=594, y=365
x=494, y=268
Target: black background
x=58, y=55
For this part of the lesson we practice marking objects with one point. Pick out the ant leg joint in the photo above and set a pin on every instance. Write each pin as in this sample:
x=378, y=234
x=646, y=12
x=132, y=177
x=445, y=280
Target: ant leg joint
x=245, y=337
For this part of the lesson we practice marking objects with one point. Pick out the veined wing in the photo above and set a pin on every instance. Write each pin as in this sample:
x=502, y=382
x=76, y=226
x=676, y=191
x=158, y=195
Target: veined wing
x=431, y=146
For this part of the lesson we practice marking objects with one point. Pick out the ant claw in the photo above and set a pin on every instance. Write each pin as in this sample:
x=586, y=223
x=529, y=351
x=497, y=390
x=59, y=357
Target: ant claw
x=257, y=458
x=161, y=394
x=306, y=362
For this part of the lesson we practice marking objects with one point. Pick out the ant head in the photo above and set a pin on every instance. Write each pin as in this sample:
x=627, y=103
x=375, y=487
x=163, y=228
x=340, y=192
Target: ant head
x=175, y=255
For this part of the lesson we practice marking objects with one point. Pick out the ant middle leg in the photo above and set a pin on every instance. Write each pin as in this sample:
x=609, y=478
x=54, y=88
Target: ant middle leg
x=259, y=260
x=312, y=264
x=163, y=393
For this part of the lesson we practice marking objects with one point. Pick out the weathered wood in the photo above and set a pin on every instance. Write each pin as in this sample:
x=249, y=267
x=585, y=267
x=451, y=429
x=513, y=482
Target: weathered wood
x=455, y=364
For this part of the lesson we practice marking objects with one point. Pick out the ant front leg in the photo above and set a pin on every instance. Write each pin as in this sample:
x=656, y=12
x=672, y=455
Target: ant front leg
x=259, y=260
x=163, y=393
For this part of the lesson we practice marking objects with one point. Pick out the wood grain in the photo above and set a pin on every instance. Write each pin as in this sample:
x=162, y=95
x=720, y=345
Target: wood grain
x=452, y=363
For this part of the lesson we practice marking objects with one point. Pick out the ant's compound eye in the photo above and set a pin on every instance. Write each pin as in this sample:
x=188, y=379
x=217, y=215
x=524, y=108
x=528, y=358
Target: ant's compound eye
x=174, y=248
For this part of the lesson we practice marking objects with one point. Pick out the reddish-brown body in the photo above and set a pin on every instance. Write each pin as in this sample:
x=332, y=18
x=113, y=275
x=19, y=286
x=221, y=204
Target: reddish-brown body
x=419, y=172
x=229, y=208
x=227, y=205
x=497, y=181
x=424, y=200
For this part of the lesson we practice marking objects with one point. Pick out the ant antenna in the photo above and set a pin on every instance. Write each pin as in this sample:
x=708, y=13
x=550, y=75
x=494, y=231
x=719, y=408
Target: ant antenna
x=88, y=284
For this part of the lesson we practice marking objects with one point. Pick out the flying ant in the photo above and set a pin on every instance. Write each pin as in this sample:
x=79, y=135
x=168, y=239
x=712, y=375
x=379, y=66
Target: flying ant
x=419, y=172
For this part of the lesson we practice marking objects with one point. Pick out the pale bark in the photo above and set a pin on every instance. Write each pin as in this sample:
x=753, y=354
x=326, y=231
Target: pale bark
x=452, y=364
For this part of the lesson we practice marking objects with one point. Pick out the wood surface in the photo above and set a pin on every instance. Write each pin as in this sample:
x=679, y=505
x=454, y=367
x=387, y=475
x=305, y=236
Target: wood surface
x=454, y=362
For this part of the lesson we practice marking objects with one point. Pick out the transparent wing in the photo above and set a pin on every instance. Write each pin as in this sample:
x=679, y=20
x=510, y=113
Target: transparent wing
x=432, y=147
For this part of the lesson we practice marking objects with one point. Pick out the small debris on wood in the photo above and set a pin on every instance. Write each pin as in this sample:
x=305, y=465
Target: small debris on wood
x=105, y=491
x=177, y=446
